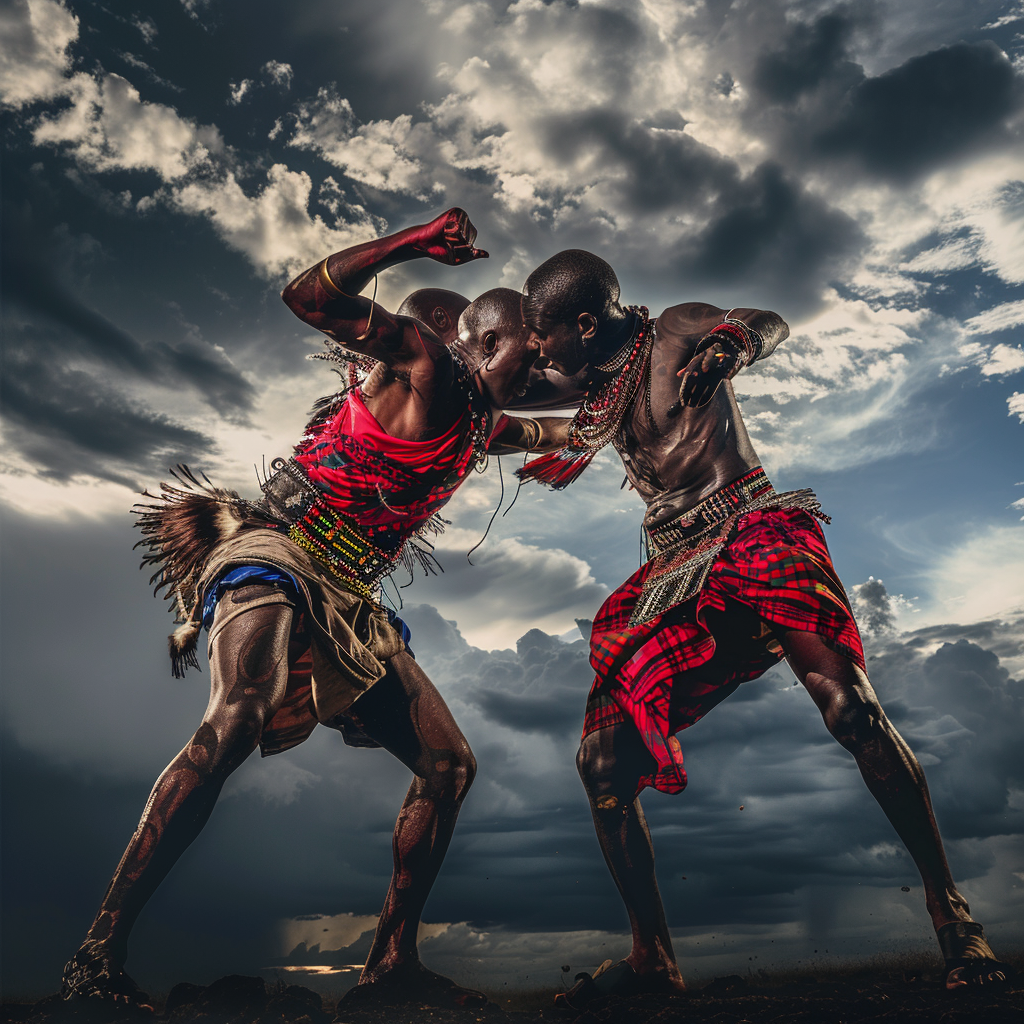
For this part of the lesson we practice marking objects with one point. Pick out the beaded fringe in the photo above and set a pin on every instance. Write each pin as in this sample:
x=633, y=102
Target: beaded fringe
x=681, y=570
x=557, y=469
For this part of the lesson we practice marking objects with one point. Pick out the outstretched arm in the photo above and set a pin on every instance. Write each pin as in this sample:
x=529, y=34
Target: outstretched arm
x=525, y=434
x=743, y=336
x=550, y=389
x=327, y=295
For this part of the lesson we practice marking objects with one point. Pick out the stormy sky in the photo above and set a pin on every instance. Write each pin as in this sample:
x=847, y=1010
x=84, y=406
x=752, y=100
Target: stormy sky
x=855, y=166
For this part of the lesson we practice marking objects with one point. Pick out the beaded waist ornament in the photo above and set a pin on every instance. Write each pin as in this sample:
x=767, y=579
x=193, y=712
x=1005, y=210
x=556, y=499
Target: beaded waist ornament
x=598, y=419
x=328, y=536
x=683, y=549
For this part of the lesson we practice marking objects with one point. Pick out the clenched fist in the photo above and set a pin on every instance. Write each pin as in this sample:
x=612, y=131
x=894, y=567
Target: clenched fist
x=449, y=239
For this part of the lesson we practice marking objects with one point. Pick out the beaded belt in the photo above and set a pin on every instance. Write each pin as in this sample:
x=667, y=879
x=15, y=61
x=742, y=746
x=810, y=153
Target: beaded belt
x=328, y=536
x=684, y=548
x=714, y=509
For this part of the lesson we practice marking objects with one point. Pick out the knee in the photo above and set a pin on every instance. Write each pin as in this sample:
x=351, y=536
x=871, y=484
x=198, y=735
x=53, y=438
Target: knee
x=464, y=772
x=221, y=744
x=594, y=767
x=853, y=718
x=450, y=774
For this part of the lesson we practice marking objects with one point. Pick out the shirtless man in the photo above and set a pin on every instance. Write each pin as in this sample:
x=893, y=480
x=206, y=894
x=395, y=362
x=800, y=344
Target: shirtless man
x=738, y=578
x=288, y=589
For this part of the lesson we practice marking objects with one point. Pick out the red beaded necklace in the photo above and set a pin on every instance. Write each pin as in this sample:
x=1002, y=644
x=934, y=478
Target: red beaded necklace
x=598, y=419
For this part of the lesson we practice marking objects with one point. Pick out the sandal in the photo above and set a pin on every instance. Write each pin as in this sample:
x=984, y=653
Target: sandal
x=93, y=974
x=969, y=958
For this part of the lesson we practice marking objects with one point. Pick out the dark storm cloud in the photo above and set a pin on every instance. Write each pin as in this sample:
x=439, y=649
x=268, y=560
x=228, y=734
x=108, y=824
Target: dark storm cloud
x=809, y=54
x=929, y=110
x=31, y=285
x=69, y=422
x=965, y=715
x=873, y=608
x=663, y=166
x=769, y=233
x=764, y=230
x=543, y=696
x=535, y=689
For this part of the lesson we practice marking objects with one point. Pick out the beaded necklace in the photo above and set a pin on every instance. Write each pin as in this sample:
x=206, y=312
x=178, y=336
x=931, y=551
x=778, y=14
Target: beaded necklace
x=479, y=412
x=598, y=419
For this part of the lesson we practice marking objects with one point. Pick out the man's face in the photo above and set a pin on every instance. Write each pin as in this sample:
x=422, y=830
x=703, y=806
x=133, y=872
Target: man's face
x=561, y=347
x=507, y=356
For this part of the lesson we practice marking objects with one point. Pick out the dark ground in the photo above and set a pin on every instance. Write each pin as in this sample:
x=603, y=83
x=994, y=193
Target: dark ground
x=909, y=993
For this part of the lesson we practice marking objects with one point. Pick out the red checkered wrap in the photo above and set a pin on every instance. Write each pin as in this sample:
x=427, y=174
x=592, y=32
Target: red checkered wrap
x=778, y=565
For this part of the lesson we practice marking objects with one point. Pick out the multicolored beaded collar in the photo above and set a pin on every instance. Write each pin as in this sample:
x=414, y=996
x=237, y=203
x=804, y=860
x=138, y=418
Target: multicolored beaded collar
x=598, y=419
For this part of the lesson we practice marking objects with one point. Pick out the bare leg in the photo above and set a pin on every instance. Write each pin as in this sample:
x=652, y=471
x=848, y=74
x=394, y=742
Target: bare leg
x=610, y=762
x=855, y=718
x=249, y=674
x=407, y=716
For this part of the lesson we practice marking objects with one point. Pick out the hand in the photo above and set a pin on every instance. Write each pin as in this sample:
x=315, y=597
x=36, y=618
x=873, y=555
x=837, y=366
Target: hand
x=703, y=373
x=449, y=239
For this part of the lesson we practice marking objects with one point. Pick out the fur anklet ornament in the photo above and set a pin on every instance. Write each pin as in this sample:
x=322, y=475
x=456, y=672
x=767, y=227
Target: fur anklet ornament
x=969, y=958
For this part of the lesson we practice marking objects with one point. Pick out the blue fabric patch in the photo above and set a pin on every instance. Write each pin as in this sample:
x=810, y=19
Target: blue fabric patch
x=261, y=574
x=403, y=630
x=244, y=574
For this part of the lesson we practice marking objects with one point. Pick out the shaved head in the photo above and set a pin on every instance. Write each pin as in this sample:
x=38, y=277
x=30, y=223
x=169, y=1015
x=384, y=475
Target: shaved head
x=572, y=282
x=438, y=308
x=498, y=310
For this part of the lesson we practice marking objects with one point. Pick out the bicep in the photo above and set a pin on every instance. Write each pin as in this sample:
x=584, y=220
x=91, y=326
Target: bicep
x=370, y=329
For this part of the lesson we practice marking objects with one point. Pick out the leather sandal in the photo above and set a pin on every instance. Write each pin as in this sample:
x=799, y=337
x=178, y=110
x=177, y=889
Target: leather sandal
x=969, y=958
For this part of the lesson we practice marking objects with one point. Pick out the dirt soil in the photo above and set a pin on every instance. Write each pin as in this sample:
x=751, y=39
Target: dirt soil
x=878, y=995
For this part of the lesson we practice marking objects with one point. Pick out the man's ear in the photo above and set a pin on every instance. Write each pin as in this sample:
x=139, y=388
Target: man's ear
x=587, y=324
x=489, y=342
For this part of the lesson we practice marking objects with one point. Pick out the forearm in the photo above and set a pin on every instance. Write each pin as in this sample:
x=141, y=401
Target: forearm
x=317, y=297
x=529, y=434
x=768, y=330
x=741, y=337
x=554, y=391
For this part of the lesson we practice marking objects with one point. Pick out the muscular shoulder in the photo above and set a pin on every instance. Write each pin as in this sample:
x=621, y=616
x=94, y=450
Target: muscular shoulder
x=680, y=328
x=689, y=318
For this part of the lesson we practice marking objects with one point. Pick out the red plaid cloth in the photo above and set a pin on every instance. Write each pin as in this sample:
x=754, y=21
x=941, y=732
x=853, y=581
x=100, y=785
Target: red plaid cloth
x=666, y=674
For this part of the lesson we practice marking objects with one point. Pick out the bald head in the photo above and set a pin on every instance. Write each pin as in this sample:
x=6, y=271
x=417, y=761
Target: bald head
x=498, y=312
x=572, y=282
x=438, y=308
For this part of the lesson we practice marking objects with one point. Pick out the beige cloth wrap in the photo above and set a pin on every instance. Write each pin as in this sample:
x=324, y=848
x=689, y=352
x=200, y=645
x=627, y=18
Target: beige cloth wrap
x=351, y=638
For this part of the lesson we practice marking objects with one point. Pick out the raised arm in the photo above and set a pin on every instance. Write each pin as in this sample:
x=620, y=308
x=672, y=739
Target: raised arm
x=741, y=336
x=327, y=295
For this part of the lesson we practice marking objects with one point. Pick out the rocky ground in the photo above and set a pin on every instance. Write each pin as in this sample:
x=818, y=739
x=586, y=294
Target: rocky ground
x=907, y=995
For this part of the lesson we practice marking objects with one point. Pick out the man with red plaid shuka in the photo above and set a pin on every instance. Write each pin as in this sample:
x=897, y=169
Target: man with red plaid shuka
x=738, y=577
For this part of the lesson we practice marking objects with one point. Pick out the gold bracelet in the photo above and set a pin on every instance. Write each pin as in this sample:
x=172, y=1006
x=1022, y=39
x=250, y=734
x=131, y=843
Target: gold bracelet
x=327, y=284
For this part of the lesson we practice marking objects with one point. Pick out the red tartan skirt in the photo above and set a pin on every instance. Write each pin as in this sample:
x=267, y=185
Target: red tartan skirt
x=774, y=575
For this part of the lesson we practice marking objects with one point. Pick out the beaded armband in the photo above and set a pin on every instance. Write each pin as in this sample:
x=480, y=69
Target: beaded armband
x=735, y=333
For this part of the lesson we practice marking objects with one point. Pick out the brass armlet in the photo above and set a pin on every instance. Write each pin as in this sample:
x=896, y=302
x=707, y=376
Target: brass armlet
x=328, y=285
x=533, y=432
x=335, y=292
